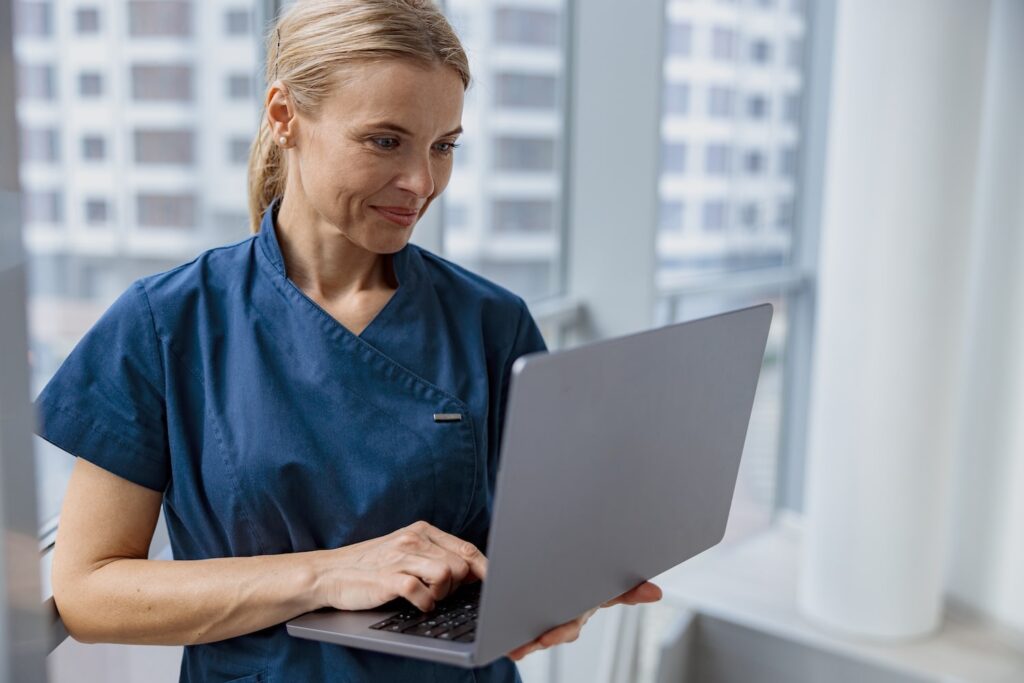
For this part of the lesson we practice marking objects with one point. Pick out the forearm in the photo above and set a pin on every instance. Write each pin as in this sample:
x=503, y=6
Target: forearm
x=187, y=602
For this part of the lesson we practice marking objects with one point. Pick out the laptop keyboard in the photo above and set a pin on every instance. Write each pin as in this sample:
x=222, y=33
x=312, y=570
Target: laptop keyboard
x=453, y=618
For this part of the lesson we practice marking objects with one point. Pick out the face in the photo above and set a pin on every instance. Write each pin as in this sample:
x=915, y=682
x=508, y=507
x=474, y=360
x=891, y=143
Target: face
x=378, y=151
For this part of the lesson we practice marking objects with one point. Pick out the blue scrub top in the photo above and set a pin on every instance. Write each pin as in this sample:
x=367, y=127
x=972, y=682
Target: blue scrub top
x=271, y=428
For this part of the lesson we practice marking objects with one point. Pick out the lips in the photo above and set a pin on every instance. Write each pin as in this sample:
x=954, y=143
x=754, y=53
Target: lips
x=397, y=214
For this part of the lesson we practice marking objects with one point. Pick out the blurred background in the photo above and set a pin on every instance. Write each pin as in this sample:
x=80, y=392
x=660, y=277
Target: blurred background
x=857, y=163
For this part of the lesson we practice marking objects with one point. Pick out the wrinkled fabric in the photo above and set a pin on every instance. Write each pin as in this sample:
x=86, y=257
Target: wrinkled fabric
x=271, y=428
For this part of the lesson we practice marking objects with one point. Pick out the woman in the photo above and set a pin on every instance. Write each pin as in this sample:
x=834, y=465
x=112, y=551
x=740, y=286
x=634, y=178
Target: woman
x=277, y=395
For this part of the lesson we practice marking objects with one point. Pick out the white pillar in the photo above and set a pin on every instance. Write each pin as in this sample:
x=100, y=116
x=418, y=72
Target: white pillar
x=907, y=87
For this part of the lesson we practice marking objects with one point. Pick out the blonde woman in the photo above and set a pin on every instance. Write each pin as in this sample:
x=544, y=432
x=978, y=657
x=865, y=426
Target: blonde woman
x=277, y=395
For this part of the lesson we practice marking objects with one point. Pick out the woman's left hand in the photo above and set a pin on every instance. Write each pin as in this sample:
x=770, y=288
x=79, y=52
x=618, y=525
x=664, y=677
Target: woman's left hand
x=570, y=630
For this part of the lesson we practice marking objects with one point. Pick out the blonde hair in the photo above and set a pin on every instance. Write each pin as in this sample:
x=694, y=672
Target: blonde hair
x=313, y=39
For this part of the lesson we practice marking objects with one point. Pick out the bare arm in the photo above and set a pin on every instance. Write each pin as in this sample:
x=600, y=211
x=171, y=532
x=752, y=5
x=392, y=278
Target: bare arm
x=106, y=589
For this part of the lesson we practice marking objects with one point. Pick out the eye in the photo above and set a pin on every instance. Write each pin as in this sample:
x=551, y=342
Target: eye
x=446, y=148
x=386, y=143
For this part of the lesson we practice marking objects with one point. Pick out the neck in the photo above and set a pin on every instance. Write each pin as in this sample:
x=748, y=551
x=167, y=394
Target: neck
x=321, y=260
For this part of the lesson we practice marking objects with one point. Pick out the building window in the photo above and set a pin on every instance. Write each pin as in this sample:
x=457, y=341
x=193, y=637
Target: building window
x=87, y=20
x=788, y=162
x=723, y=44
x=236, y=22
x=90, y=84
x=525, y=91
x=677, y=99
x=715, y=215
x=524, y=154
x=791, y=108
x=43, y=206
x=37, y=82
x=94, y=148
x=757, y=107
x=97, y=211
x=238, y=150
x=718, y=160
x=671, y=214
x=164, y=147
x=753, y=162
x=520, y=26
x=456, y=215
x=784, y=215
x=761, y=51
x=523, y=215
x=159, y=18
x=166, y=210
x=239, y=86
x=749, y=215
x=673, y=158
x=721, y=102
x=795, y=53
x=679, y=39
x=162, y=83
x=33, y=19
x=40, y=145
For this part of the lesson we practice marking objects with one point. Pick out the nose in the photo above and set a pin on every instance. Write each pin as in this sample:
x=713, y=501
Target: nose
x=418, y=176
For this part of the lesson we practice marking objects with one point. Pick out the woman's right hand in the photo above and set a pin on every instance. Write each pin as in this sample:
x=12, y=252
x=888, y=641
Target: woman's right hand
x=420, y=563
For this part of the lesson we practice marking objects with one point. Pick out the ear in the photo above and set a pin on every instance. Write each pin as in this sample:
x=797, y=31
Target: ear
x=281, y=111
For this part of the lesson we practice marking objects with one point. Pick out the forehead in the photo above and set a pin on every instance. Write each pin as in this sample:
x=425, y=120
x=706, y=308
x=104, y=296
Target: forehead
x=397, y=91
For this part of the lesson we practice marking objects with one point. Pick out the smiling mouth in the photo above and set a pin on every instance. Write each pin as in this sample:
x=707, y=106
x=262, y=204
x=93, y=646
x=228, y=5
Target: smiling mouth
x=399, y=216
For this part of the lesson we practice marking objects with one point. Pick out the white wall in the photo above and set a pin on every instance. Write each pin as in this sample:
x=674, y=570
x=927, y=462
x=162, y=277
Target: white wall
x=986, y=562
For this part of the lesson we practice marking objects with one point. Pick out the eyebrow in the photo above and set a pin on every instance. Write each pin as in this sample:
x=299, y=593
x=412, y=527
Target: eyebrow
x=399, y=129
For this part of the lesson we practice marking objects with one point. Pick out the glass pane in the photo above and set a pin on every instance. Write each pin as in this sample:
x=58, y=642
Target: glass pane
x=732, y=98
x=115, y=183
x=754, y=500
x=502, y=215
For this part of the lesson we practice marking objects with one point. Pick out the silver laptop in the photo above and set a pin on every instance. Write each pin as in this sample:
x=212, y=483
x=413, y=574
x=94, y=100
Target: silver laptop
x=618, y=462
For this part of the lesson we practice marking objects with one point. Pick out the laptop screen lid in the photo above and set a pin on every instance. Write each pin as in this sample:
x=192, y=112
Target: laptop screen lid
x=619, y=461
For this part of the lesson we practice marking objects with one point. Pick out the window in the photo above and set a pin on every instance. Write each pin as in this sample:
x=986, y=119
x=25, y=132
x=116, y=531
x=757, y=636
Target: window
x=40, y=145
x=162, y=82
x=760, y=51
x=236, y=22
x=166, y=210
x=717, y=160
x=673, y=158
x=238, y=150
x=784, y=214
x=97, y=211
x=679, y=39
x=94, y=148
x=671, y=214
x=723, y=44
x=90, y=84
x=753, y=162
x=164, y=147
x=87, y=20
x=37, y=82
x=525, y=91
x=788, y=162
x=524, y=154
x=159, y=18
x=33, y=19
x=457, y=215
x=43, y=206
x=677, y=99
x=791, y=108
x=714, y=215
x=521, y=26
x=749, y=215
x=795, y=53
x=239, y=86
x=721, y=102
x=523, y=215
x=757, y=107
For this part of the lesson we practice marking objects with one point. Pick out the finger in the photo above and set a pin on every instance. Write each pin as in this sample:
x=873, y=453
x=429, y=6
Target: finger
x=641, y=593
x=407, y=586
x=434, y=573
x=566, y=633
x=464, y=549
x=524, y=650
x=458, y=567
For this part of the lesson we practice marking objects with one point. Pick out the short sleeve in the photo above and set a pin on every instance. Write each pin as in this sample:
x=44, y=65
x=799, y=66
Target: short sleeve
x=528, y=339
x=106, y=401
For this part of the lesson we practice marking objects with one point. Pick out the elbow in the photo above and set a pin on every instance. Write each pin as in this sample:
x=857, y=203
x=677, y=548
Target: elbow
x=67, y=598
